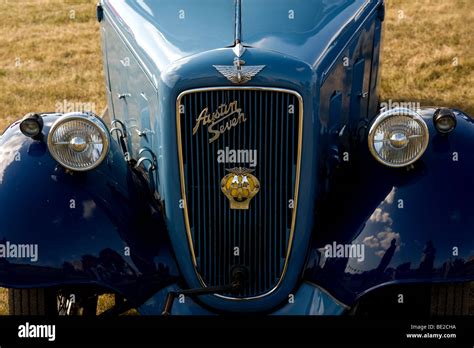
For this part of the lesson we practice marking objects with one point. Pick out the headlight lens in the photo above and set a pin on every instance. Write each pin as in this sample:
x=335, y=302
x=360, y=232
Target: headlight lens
x=79, y=142
x=398, y=137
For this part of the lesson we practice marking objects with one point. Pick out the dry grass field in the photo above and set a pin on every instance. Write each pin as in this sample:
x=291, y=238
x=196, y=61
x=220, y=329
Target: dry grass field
x=50, y=54
x=428, y=52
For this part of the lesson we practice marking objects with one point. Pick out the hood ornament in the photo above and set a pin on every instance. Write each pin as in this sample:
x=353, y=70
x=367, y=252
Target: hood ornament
x=238, y=73
x=239, y=49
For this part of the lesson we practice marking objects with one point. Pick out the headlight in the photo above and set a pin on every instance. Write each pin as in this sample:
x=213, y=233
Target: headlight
x=398, y=137
x=79, y=142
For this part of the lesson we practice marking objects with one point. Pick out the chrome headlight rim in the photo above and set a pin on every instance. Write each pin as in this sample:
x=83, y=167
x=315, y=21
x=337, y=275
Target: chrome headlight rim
x=383, y=116
x=90, y=118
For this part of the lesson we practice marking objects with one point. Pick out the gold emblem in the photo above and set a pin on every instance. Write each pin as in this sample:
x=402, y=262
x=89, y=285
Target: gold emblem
x=240, y=186
x=226, y=117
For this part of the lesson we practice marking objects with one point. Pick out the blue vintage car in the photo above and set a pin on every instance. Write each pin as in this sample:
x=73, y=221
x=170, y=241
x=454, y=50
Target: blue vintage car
x=244, y=166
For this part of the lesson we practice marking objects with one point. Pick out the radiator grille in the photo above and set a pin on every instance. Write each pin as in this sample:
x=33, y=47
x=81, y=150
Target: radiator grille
x=263, y=233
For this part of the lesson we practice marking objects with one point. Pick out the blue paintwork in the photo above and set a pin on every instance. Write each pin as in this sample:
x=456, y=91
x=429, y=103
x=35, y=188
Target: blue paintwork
x=159, y=35
x=156, y=303
x=308, y=300
x=192, y=68
x=329, y=53
x=320, y=28
x=311, y=300
x=81, y=241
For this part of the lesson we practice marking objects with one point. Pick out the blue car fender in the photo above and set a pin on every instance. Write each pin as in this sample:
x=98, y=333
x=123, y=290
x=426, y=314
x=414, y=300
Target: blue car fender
x=406, y=225
x=99, y=227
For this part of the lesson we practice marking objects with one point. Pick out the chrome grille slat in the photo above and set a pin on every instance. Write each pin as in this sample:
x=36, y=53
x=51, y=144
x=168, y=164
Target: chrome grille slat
x=263, y=232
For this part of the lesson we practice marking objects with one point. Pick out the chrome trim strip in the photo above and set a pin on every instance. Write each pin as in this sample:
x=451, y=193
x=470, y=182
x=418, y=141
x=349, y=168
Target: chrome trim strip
x=238, y=22
x=183, y=187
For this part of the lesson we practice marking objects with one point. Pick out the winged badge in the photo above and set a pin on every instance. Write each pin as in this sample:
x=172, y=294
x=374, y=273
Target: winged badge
x=238, y=73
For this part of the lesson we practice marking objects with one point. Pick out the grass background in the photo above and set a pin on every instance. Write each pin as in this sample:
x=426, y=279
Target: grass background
x=50, y=52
